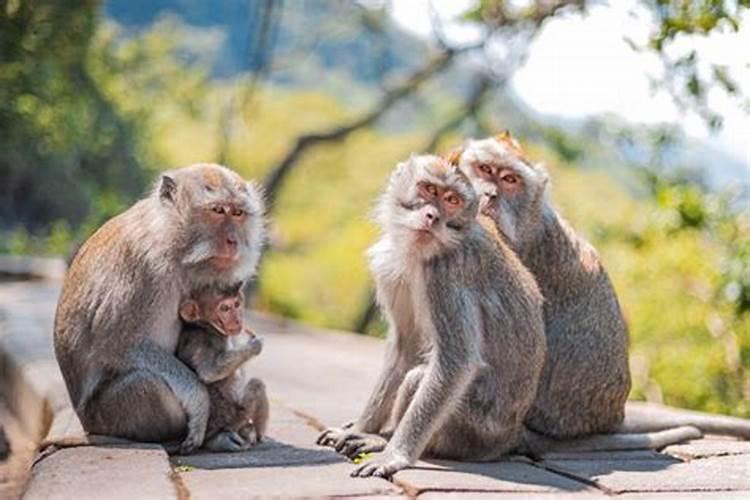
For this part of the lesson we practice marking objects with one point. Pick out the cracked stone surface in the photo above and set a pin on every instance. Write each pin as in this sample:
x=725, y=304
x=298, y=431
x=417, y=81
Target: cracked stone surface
x=316, y=379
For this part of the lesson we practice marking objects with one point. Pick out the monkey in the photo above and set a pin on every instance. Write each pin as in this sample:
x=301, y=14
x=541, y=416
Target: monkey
x=210, y=344
x=466, y=335
x=116, y=324
x=586, y=379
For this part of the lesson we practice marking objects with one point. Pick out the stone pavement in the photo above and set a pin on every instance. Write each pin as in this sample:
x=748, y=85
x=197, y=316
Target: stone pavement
x=314, y=378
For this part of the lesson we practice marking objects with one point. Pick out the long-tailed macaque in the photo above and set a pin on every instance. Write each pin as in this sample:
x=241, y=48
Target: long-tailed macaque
x=217, y=346
x=117, y=325
x=466, y=334
x=586, y=379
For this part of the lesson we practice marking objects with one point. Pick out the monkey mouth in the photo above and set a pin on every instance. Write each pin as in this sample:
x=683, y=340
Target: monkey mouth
x=423, y=235
x=224, y=262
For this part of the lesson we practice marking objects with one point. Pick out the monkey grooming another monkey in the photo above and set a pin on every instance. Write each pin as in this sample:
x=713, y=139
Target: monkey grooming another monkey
x=586, y=378
x=216, y=345
x=466, y=335
x=116, y=326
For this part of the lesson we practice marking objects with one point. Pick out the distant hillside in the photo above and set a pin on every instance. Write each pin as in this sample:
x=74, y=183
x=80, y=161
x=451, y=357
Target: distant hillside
x=337, y=35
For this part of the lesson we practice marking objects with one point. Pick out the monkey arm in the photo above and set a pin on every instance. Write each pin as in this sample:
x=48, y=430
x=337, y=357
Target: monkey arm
x=455, y=361
x=223, y=364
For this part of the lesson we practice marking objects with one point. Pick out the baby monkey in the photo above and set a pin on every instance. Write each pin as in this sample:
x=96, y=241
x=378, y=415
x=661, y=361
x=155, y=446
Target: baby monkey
x=216, y=345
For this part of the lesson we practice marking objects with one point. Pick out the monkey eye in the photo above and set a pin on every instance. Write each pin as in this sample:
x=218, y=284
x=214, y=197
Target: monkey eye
x=237, y=304
x=452, y=199
x=485, y=168
x=430, y=189
x=224, y=308
x=509, y=178
x=217, y=209
x=237, y=212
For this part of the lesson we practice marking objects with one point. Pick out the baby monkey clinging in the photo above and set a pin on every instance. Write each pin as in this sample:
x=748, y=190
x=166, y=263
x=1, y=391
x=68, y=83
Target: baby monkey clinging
x=216, y=345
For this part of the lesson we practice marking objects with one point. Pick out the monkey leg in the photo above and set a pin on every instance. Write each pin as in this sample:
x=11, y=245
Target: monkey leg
x=353, y=444
x=156, y=413
x=475, y=432
x=256, y=408
x=163, y=397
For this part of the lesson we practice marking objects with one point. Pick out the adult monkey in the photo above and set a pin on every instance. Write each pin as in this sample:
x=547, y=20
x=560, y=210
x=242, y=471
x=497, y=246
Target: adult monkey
x=466, y=334
x=116, y=326
x=586, y=380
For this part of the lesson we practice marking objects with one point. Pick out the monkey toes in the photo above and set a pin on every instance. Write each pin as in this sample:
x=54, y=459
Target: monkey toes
x=352, y=444
x=384, y=465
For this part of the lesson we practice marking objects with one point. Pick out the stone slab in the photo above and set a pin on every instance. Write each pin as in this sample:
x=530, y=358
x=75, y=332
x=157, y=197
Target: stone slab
x=704, y=495
x=702, y=448
x=310, y=481
x=620, y=476
x=507, y=476
x=324, y=374
x=290, y=441
x=89, y=472
x=488, y=495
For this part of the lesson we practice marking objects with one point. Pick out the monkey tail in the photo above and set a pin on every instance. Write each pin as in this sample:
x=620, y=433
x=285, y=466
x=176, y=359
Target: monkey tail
x=535, y=445
x=644, y=418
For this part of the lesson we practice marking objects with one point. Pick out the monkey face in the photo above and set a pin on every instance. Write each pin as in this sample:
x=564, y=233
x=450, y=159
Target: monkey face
x=428, y=204
x=510, y=187
x=221, y=217
x=228, y=315
x=220, y=309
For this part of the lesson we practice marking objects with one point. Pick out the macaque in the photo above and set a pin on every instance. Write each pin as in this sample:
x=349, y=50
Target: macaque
x=466, y=334
x=586, y=378
x=216, y=345
x=116, y=326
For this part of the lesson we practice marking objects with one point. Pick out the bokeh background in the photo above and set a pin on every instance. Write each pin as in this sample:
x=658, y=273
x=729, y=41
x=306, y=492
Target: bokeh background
x=638, y=108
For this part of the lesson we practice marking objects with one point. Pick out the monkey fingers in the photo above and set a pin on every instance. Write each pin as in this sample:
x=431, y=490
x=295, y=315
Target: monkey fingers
x=384, y=465
x=357, y=444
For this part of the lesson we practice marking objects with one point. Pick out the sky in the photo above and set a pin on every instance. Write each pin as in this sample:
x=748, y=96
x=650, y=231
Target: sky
x=581, y=66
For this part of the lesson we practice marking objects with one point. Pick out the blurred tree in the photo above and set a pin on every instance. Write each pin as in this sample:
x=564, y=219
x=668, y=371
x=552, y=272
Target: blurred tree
x=63, y=139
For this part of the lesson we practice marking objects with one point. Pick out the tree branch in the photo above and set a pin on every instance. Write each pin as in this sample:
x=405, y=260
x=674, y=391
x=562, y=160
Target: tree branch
x=278, y=173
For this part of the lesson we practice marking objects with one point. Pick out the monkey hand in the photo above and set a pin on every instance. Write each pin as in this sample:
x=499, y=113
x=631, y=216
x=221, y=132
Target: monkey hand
x=383, y=465
x=353, y=444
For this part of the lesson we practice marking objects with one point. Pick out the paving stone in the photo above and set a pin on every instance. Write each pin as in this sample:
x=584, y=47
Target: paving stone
x=508, y=476
x=290, y=441
x=619, y=476
x=292, y=367
x=488, y=495
x=701, y=495
x=604, y=455
x=702, y=448
x=308, y=481
x=88, y=472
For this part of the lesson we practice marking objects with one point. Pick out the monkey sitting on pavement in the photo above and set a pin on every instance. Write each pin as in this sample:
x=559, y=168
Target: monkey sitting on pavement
x=586, y=378
x=216, y=345
x=466, y=334
x=116, y=325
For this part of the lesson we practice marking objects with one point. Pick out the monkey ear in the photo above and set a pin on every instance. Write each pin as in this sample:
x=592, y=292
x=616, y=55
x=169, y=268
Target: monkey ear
x=504, y=136
x=189, y=311
x=167, y=188
x=454, y=156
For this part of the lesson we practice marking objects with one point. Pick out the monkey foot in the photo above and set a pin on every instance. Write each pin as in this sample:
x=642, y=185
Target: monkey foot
x=383, y=465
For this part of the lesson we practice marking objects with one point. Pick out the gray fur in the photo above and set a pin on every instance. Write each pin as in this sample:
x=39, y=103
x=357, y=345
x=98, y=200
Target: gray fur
x=116, y=326
x=464, y=354
x=586, y=377
x=233, y=403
